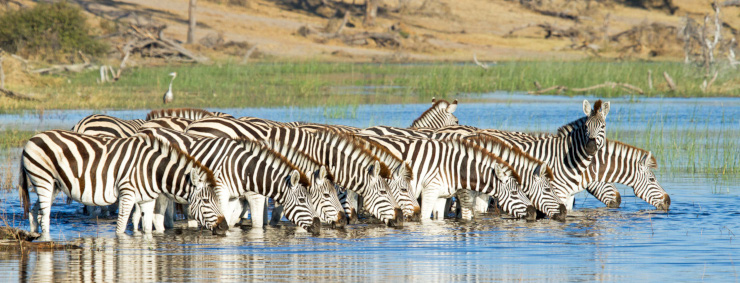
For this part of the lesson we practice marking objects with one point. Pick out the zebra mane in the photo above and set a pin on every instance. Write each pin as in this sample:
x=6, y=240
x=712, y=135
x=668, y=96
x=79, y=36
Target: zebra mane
x=265, y=149
x=566, y=129
x=173, y=149
x=486, y=153
x=358, y=144
x=484, y=138
x=299, y=154
x=435, y=107
x=177, y=112
x=652, y=163
x=597, y=106
x=387, y=153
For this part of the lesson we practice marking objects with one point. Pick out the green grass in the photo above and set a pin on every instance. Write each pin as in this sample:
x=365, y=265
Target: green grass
x=14, y=138
x=225, y=85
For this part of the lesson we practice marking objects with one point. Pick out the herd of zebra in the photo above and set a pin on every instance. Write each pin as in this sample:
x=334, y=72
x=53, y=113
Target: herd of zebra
x=224, y=169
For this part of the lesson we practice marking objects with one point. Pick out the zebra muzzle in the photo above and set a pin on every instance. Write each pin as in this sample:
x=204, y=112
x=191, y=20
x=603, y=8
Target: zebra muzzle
x=562, y=213
x=221, y=226
x=616, y=202
x=591, y=146
x=353, y=219
x=315, y=228
x=531, y=213
x=666, y=203
x=341, y=220
x=397, y=220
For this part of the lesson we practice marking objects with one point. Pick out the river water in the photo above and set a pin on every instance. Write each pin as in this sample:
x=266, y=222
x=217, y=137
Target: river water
x=696, y=240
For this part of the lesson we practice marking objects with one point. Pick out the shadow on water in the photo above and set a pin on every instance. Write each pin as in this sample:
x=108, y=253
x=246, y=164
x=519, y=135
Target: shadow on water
x=695, y=240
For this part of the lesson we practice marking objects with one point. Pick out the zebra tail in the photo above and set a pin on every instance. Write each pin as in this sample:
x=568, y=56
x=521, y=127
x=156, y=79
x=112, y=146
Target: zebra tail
x=23, y=190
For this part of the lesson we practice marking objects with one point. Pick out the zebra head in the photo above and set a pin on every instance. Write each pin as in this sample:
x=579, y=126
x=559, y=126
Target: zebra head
x=297, y=208
x=543, y=196
x=324, y=198
x=378, y=201
x=647, y=187
x=438, y=116
x=595, y=125
x=399, y=185
x=204, y=205
x=507, y=190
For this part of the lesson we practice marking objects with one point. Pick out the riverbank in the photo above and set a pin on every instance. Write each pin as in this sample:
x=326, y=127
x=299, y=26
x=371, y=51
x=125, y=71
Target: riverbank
x=262, y=84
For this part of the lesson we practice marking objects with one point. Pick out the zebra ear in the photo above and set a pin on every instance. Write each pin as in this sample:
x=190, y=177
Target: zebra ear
x=375, y=169
x=586, y=107
x=197, y=178
x=434, y=99
x=320, y=175
x=605, y=109
x=538, y=170
x=452, y=107
x=294, y=178
x=500, y=172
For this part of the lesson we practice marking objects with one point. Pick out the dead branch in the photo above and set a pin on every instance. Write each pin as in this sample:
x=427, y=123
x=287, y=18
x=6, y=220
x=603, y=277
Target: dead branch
x=669, y=80
x=248, y=54
x=381, y=39
x=16, y=96
x=537, y=85
x=731, y=3
x=650, y=79
x=74, y=68
x=344, y=23
x=559, y=14
x=705, y=86
x=484, y=66
x=612, y=85
x=2, y=74
x=10, y=233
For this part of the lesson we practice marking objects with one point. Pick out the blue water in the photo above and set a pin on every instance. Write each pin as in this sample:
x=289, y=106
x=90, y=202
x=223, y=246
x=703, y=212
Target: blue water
x=695, y=241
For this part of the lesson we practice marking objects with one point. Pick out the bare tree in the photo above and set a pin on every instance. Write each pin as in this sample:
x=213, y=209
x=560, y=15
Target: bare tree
x=371, y=12
x=191, y=22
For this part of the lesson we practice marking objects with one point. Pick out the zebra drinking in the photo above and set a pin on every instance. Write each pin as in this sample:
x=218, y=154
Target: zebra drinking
x=99, y=171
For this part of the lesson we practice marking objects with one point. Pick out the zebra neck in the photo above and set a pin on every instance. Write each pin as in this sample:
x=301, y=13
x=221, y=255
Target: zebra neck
x=260, y=173
x=615, y=163
x=472, y=172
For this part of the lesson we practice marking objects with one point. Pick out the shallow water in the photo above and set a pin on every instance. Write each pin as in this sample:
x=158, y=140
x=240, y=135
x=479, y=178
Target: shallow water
x=695, y=240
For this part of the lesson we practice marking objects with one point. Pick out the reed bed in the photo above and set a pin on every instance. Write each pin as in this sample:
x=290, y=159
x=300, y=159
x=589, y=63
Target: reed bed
x=229, y=84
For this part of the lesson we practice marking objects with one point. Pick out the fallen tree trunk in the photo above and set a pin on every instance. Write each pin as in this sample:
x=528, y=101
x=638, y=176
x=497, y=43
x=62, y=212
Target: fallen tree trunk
x=612, y=85
x=16, y=96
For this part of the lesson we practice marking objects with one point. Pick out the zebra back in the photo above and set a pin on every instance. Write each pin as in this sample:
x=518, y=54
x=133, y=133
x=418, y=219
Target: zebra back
x=187, y=113
x=107, y=126
x=174, y=123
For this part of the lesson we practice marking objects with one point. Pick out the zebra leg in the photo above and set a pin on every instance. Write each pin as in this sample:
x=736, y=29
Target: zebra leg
x=481, y=202
x=350, y=211
x=147, y=209
x=33, y=218
x=429, y=199
x=606, y=193
x=43, y=212
x=466, y=199
x=127, y=200
x=136, y=218
x=169, y=214
x=161, y=207
x=244, y=211
x=235, y=212
x=257, y=209
x=277, y=214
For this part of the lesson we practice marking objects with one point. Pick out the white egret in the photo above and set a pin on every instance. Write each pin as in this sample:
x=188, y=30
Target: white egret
x=168, y=95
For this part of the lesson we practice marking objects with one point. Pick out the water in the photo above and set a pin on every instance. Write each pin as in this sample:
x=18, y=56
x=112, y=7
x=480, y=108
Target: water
x=696, y=240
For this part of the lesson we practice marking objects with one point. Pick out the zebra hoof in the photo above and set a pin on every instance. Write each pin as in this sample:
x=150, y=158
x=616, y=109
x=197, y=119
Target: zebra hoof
x=531, y=213
x=616, y=202
x=315, y=228
x=562, y=213
x=666, y=203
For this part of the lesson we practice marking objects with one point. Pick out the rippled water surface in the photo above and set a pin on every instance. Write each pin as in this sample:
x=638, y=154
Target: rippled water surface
x=696, y=240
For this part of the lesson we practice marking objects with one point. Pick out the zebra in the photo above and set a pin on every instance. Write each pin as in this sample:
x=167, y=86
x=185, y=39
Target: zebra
x=570, y=155
x=99, y=171
x=216, y=153
x=437, y=116
x=107, y=126
x=175, y=123
x=443, y=167
x=353, y=167
x=187, y=113
x=615, y=162
x=536, y=176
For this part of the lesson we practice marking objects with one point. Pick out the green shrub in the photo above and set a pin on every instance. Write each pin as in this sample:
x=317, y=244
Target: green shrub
x=49, y=31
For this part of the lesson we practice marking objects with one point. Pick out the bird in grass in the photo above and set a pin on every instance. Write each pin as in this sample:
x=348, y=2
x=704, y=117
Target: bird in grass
x=168, y=95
